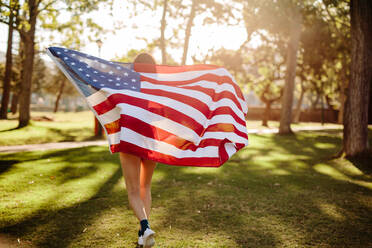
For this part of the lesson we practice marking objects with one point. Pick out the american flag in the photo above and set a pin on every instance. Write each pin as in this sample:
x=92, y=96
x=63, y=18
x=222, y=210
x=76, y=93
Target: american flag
x=190, y=115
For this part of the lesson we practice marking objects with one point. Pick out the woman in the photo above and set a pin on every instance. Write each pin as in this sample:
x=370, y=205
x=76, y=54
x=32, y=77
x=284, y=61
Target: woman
x=138, y=174
x=203, y=126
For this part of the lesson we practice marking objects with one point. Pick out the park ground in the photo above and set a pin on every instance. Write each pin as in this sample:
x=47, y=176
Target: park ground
x=280, y=191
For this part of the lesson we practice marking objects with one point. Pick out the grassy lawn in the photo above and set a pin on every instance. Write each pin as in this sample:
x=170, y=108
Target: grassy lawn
x=73, y=126
x=251, y=124
x=281, y=191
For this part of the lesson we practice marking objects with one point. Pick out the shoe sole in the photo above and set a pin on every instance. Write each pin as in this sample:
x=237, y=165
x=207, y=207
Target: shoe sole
x=140, y=243
x=149, y=241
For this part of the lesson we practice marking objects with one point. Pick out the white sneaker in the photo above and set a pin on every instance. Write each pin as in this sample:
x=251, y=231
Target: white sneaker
x=140, y=240
x=148, y=238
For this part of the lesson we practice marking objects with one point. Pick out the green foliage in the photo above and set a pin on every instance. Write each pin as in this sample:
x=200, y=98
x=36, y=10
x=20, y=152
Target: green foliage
x=15, y=74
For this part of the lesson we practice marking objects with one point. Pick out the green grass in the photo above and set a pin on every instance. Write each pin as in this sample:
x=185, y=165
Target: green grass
x=74, y=126
x=254, y=124
x=281, y=191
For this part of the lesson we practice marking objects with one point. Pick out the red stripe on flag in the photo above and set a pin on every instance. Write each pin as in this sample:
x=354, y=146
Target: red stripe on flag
x=104, y=107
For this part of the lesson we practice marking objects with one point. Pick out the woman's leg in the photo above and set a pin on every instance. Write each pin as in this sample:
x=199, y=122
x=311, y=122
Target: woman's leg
x=147, y=170
x=131, y=166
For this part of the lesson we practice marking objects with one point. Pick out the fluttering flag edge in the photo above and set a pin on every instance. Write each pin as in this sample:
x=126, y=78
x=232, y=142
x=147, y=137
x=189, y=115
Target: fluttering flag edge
x=60, y=66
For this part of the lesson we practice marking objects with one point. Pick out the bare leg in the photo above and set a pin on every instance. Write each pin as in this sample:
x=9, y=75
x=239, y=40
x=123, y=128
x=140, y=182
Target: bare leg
x=131, y=166
x=147, y=170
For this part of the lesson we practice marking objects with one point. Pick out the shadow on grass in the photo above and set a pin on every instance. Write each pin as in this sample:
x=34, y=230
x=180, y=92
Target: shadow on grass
x=210, y=204
x=322, y=147
x=363, y=163
x=11, y=129
x=50, y=134
x=68, y=134
x=254, y=212
x=5, y=165
x=67, y=223
x=267, y=195
x=284, y=205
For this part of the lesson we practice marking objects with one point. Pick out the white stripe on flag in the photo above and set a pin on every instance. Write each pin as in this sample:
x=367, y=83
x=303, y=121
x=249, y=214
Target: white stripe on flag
x=230, y=149
x=233, y=137
x=110, y=116
x=114, y=138
x=97, y=98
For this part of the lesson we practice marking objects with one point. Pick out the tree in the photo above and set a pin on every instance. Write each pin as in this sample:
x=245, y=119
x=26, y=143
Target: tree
x=25, y=23
x=12, y=13
x=27, y=35
x=218, y=11
x=337, y=14
x=56, y=84
x=355, y=141
x=188, y=30
x=292, y=48
x=15, y=77
x=16, y=89
x=267, y=77
x=163, y=24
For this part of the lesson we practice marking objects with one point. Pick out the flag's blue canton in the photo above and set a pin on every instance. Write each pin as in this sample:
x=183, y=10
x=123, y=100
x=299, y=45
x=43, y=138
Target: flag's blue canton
x=98, y=72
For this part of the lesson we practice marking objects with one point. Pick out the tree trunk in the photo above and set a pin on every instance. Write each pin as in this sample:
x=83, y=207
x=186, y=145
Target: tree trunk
x=287, y=100
x=332, y=109
x=297, y=115
x=162, y=31
x=28, y=40
x=322, y=109
x=14, y=103
x=8, y=70
x=188, y=31
x=314, y=104
x=356, y=107
x=59, y=95
x=370, y=106
x=344, y=84
x=267, y=112
x=340, y=118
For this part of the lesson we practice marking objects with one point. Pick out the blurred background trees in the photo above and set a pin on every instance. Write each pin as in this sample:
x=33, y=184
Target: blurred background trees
x=296, y=55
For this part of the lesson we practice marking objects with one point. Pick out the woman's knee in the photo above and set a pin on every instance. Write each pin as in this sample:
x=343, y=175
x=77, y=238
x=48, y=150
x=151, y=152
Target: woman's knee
x=133, y=191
